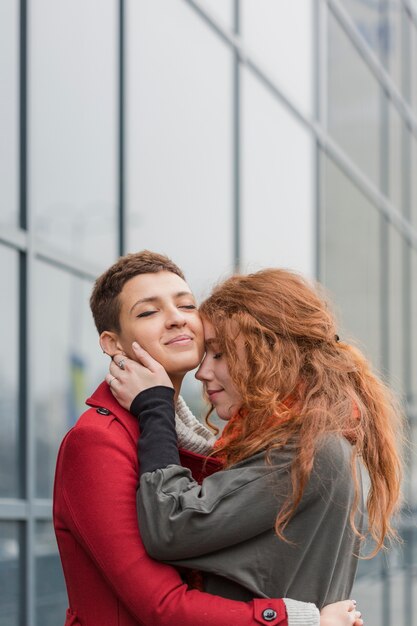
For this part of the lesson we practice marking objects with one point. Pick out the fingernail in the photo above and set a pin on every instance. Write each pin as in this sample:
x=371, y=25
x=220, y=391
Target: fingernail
x=135, y=344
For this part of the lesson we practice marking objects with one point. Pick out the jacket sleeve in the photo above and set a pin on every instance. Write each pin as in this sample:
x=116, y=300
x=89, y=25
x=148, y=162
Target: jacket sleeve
x=180, y=519
x=98, y=478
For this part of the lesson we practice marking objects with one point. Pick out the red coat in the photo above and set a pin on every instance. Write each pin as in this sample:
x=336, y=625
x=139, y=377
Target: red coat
x=111, y=581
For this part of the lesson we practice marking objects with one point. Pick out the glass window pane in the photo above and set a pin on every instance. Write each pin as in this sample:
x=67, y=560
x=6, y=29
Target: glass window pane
x=223, y=9
x=391, y=28
x=354, y=103
x=366, y=18
x=9, y=107
x=68, y=363
x=281, y=37
x=277, y=184
x=51, y=595
x=367, y=591
x=9, y=455
x=352, y=256
x=179, y=183
x=10, y=593
x=72, y=124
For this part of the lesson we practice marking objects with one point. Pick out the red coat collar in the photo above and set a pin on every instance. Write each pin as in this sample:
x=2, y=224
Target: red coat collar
x=102, y=397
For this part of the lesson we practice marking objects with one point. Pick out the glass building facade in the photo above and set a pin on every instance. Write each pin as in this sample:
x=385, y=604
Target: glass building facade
x=226, y=134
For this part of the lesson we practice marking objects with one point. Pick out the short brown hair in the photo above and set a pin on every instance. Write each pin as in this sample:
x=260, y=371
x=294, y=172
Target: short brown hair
x=104, y=300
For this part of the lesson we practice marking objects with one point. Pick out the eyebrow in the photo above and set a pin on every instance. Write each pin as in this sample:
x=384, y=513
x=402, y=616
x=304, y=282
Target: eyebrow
x=211, y=341
x=158, y=298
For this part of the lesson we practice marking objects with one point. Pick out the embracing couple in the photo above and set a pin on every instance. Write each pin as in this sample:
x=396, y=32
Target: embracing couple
x=159, y=522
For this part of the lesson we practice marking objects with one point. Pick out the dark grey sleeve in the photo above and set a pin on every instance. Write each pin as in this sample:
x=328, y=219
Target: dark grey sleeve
x=180, y=519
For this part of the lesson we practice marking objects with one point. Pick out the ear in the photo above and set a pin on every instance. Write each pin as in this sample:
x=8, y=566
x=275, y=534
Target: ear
x=110, y=343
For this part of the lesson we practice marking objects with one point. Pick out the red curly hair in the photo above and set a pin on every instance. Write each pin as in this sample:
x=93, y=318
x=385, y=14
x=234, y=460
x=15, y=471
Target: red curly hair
x=299, y=383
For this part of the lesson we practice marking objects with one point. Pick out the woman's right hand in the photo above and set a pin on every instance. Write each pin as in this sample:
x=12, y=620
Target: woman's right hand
x=127, y=378
x=342, y=613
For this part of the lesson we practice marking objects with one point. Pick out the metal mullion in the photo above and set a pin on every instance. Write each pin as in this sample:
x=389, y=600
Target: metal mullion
x=371, y=60
x=14, y=237
x=27, y=605
x=320, y=113
x=121, y=128
x=384, y=278
x=406, y=294
x=42, y=509
x=406, y=148
x=66, y=263
x=237, y=222
x=384, y=249
x=13, y=509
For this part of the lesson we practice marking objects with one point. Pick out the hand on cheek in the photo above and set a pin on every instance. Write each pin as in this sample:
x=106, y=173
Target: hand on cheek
x=127, y=377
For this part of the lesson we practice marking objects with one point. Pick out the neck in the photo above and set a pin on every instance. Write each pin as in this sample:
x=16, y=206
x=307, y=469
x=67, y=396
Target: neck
x=177, y=382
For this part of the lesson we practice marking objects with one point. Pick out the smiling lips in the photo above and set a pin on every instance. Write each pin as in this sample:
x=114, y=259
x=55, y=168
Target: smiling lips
x=213, y=392
x=180, y=340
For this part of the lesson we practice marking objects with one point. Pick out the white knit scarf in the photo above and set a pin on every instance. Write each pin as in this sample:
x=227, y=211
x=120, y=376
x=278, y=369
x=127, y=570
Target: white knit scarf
x=192, y=434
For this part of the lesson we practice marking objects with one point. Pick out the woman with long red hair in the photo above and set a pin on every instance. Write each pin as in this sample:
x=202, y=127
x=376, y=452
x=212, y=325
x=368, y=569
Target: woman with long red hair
x=308, y=423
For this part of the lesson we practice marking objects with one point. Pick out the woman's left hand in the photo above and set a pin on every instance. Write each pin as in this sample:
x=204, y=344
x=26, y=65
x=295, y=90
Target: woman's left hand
x=127, y=378
x=342, y=613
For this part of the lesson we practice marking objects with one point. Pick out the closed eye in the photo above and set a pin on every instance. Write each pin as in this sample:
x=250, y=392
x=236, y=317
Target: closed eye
x=146, y=314
x=188, y=306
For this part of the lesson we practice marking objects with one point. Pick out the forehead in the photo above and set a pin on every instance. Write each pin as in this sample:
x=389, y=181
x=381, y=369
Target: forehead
x=209, y=332
x=158, y=285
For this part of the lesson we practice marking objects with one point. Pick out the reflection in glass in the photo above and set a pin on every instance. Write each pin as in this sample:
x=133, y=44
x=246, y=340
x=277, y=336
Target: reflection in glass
x=68, y=363
x=354, y=103
x=51, y=596
x=9, y=107
x=277, y=184
x=9, y=298
x=10, y=593
x=366, y=16
x=179, y=182
x=281, y=36
x=351, y=253
x=72, y=123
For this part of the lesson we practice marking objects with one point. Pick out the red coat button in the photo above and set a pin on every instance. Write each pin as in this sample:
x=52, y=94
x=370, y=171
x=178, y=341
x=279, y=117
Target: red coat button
x=269, y=615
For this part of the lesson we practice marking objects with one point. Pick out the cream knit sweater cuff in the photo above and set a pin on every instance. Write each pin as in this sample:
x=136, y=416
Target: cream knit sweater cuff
x=302, y=613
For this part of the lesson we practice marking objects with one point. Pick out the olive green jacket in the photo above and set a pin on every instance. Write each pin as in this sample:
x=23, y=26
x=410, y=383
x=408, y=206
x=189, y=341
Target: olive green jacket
x=225, y=527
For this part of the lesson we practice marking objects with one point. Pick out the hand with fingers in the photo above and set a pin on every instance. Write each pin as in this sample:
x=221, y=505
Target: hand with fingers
x=127, y=378
x=342, y=613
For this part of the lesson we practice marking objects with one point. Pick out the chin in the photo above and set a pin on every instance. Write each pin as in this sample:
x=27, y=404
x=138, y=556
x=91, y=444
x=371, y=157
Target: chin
x=182, y=365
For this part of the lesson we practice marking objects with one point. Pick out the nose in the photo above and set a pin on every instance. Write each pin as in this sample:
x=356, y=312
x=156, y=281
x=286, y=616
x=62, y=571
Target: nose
x=175, y=317
x=204, y=372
